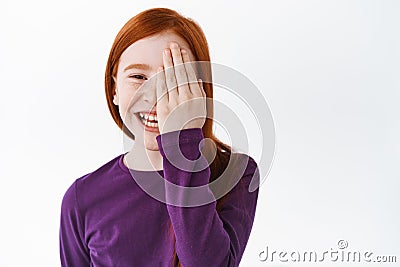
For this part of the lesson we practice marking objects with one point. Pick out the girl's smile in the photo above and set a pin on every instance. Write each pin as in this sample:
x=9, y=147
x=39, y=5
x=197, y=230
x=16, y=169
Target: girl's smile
x=148, y=120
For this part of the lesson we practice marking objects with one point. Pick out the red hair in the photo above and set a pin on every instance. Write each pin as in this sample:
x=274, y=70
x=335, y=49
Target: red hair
x=155, y=21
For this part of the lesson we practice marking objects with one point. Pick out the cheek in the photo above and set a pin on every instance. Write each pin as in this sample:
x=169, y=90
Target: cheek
x=128, y=95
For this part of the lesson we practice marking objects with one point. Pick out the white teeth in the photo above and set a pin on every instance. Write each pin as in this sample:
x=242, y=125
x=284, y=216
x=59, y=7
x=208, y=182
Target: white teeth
x=151, y=124
x=148, y=119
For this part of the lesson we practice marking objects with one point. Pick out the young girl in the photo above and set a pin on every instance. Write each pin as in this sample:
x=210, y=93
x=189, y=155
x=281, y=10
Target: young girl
x=108, y=217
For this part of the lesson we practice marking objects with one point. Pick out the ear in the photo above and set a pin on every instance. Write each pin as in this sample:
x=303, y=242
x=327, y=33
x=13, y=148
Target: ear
x=116, y=96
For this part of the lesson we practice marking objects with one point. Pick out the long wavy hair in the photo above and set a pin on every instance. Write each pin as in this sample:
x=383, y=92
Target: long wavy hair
x=154, y=21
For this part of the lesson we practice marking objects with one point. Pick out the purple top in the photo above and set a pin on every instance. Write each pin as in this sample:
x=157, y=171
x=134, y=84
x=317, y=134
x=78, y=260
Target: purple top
x=107, y=219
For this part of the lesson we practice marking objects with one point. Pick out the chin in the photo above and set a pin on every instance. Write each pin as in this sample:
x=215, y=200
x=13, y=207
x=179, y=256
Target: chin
x=150, y=142
x=152, y=147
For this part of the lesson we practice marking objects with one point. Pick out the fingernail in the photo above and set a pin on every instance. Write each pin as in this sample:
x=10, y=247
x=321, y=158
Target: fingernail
x=166, y=51
x=183, y=51
x=174, y=45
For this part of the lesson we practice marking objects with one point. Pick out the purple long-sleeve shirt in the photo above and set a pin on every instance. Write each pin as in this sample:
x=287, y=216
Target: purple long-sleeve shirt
x=107, y=219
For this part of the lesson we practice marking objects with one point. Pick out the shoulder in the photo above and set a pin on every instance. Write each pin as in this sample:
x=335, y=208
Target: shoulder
x=240, y=177
x=244, y=165
x=87, y=185
x=69, y=199
x=111, y=168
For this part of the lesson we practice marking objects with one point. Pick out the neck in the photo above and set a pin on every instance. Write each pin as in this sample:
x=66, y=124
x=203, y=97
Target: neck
x=142, y=159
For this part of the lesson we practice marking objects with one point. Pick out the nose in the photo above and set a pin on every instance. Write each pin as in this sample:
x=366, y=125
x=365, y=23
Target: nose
x=149, y=92
x=150, y=96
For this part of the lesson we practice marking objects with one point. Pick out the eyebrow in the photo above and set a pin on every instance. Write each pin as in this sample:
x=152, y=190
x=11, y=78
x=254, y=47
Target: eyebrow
x=140, y=66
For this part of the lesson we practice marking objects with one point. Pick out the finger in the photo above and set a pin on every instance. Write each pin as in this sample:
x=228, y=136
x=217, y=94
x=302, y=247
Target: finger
x=179, y=69
x=162, y=90
x=191, y=74
x=170, y=75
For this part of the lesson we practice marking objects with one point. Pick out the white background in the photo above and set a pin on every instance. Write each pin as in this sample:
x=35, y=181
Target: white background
x=328, y=69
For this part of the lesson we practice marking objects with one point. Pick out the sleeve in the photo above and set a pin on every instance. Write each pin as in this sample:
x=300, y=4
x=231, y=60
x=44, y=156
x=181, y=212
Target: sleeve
x=73, y=250
x=205, y=237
